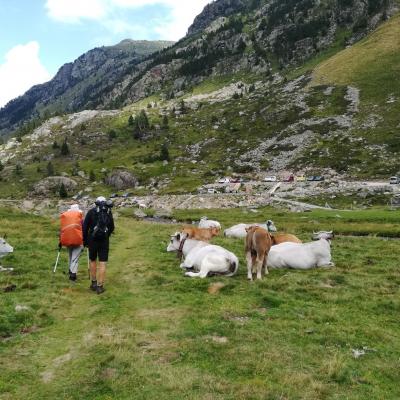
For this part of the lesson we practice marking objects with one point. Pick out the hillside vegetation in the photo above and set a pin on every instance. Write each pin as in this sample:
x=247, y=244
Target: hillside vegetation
x=157, y=335
x=372, y=65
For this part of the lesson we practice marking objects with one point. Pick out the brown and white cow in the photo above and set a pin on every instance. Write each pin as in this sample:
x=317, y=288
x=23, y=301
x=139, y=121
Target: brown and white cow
x=258, y=245
x=279, y=238
x=203, y=234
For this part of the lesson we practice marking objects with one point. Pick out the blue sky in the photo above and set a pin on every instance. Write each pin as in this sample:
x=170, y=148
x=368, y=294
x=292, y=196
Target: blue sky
x=38, y=36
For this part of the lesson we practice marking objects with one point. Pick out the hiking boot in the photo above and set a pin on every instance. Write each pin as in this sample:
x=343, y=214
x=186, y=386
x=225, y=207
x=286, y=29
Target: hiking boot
x=93, y=286
x=100, y=289
x=72, y=276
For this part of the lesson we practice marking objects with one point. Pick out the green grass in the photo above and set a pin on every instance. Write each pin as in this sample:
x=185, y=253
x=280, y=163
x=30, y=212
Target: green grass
x=154, y=334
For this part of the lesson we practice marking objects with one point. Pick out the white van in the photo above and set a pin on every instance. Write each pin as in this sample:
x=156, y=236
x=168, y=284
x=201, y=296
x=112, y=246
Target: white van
x=394, y=180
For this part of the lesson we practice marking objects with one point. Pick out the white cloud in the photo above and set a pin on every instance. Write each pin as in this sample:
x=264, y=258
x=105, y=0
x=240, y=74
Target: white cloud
x=72, y=11
x=173, y=26
x=21, y=70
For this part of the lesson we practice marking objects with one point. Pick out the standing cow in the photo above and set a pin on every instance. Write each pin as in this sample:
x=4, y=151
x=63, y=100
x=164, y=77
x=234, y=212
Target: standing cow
x=258, y=245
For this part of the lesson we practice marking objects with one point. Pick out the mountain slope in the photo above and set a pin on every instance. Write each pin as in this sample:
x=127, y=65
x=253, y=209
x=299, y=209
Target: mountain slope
x=78, y=85
x=372, y=65
x=337, y=121
x=229, y=36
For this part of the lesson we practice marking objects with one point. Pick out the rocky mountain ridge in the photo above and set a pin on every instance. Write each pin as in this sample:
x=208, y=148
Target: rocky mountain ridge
x=229, y=36
x=77, y=85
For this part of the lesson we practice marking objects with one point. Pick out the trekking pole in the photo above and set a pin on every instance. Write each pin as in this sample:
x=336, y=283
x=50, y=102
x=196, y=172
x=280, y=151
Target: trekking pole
x=58, y=257
x=88, y=262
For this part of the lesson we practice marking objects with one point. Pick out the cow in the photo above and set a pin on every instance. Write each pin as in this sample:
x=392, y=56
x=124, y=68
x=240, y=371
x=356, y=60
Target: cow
x=203, y=258
x=239, y=231
x=200, y=233
x=328, y=235
x=209, y=223
x=302, y=255
x=5, y=249
x=258, y=245
x=279, y=238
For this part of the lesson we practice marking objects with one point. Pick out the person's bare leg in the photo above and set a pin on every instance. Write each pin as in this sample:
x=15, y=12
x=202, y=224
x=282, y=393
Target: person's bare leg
x=102, y=273
x=93, y=270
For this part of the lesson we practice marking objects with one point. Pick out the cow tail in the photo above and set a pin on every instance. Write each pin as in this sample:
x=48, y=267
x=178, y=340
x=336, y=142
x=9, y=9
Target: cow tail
x=233, y=267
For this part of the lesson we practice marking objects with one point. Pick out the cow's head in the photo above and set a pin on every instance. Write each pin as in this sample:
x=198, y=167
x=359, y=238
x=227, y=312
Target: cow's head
x=5, y=248
x=327, y=235
x=214, y=231
x=271, y=226
x=176, y=241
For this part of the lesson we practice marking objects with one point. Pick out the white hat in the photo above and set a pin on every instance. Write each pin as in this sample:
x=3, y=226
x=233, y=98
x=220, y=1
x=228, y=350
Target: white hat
x=74, y=207
x=100, y=199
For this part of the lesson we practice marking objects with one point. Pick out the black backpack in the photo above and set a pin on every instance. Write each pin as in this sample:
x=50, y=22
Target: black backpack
x=101, y=231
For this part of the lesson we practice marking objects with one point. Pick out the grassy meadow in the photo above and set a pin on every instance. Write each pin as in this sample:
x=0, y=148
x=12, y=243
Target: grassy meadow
x=157, y=335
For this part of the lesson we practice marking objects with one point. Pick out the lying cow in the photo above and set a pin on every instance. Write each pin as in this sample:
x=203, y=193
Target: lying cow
x=209, y=223
x=258, y=245
x=239, y=231
x=279, y=238
x=5, y=249
x=203, y=234
x=203, y=258
x=302, y=255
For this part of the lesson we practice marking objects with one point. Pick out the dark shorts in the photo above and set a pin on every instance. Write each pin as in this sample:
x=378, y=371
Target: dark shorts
x=99, y=249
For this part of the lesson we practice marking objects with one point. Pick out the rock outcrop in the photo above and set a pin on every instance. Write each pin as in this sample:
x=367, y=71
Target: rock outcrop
x=121, y=180
x=52, y=184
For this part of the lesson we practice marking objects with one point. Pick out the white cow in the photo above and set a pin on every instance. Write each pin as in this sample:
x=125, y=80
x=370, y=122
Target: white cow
x=301, y=255
x=239, y=231
x=203, y=258
x=209, y=223
x=5, y=249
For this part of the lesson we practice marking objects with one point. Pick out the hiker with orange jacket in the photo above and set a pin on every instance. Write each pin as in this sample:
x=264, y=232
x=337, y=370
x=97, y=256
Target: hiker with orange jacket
x=71, y=236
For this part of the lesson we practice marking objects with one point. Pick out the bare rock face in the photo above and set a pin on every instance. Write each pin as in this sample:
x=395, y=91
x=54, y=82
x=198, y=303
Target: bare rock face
x=52, y=184
x=121, y=180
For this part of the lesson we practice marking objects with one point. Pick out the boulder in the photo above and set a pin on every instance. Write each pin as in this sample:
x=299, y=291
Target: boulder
x=52, y=184
x=139, y=214
x=121, y=180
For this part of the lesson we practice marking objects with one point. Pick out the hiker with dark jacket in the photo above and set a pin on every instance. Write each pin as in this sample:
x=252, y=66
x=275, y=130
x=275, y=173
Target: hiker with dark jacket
x=97, y=228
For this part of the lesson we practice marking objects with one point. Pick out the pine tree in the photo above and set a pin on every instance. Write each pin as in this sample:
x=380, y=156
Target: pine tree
x=136, y=130
x=164, y=153
x=143, y=121
x=64, y=148
x=55, y=145
x=112, y=135
x=62, y=191
x=130, y=120
x=1, y=166
x=50, y=169
x=18, y=169
x=165, y=122
x=92, y=176
x=182, y=106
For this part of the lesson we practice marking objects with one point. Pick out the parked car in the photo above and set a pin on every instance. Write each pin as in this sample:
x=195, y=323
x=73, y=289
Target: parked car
x=211, y=191
x=289, y=178
x=126, y=195
x=114, y=195
x=300, y=178
x=271, y=178
x=315, y=178
x=394, y=180
x=224, y=180
x=236, y=180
